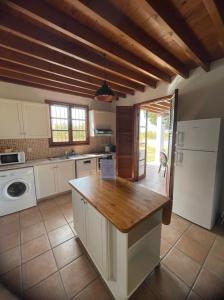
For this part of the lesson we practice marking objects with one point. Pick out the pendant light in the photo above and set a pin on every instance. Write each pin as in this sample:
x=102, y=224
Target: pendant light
x=104, y=93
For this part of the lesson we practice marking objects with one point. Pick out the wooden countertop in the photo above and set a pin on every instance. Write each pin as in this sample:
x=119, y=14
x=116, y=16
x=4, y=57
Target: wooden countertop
x=123, y=203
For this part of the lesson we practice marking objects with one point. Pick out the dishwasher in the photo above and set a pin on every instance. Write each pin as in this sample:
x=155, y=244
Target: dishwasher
x=86, y=167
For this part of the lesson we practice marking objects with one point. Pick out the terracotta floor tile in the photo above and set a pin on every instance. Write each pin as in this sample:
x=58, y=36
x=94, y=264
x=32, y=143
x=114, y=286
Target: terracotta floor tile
x=54, y=222
x=71, y=224
x=30, y=217
x=96, y=290
x=9, y=241
x=182, y=265
x=8, y=219
x=49, y=289
x=170, y=234
x=203, y=236
x=10, y=260
x=10, y=227
x=164, y=247
x=218, y=247
x=67, y=252
x=45, y=205
x=32, y=232
x=166, y=286
x=60, y=235
x=63, y=199
x=13, y=281
x=209, y=286
x=77, y=275
x=193, y=249
x=143, y=293
x=38, y=269
x=179, y=223
x=215, y=264
x=193, y=296
x=67, y=211
x=6, y=294
x=35, y=247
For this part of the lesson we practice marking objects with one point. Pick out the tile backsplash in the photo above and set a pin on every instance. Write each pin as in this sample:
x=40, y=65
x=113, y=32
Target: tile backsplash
x=39, y=148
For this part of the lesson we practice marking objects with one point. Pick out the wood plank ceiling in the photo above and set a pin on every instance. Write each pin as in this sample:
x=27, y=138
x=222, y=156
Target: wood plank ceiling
x=71, y=46
x=158, y=107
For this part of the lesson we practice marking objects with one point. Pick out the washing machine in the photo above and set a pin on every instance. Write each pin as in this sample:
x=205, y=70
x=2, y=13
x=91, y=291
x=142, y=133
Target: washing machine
x=17, y=190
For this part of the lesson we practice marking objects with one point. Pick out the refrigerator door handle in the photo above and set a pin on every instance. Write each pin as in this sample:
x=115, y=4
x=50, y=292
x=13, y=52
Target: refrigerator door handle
x=178, y=157
x=180, y=138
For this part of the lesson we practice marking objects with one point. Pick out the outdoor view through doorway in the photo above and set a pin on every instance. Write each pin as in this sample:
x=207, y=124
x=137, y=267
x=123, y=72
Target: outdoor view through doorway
x=154, y=133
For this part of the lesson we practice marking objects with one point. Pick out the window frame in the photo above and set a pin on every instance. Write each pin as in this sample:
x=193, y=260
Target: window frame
x=70, y=106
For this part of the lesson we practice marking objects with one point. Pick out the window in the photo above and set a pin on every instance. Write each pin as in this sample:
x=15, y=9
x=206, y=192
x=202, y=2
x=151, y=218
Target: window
x=69, y=124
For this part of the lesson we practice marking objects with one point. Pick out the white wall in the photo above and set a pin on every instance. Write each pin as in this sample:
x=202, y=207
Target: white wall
x=200, y=96
x=20, y=92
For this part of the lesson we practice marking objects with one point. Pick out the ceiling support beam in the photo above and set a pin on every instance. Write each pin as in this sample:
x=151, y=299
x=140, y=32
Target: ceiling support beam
x=51, y=69
x=9, y=39
x=28, y=78
x=50, y=17
x=186, y=38
x=35, y=34
x=85, y=87
x=43, y=87
x=215, y=9
x=111, y=14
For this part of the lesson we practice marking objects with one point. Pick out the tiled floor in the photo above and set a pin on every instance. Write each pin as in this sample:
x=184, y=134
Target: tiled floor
x=40, y=258
x=154, y=180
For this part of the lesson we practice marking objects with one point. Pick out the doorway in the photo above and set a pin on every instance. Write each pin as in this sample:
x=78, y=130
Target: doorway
x=157, y=121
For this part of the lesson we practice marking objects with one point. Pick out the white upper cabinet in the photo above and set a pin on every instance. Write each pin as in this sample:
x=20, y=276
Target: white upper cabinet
x=36, y=120
x=19, y=119
x=101, y=120
x=10, y=119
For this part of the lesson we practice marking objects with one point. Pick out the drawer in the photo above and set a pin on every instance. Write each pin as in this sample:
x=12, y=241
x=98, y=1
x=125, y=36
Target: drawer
x=86, y=164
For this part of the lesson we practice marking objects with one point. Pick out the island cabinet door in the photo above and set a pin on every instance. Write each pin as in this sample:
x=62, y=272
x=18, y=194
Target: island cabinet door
x=94, y=235
x=79, y=216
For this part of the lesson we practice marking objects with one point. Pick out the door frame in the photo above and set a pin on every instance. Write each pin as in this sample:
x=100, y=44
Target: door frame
x=169, y=182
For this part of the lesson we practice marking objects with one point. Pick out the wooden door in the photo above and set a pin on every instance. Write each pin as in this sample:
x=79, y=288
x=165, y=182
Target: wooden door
x=45, y=180
x=142, y=143
x=10, y=120
x=65, y=172
x=125, y=141
x=36, y=120
x=172, y=142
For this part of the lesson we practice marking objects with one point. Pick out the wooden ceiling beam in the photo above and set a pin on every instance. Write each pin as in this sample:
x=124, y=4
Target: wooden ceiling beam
x=84, y=87
x=40, y=36
x=50, y=17
x=215, y=9
x=108, y=11
x=51, y=69
x=15, y=74
x=186, y=38
x=151, y=110
x=157, y=105
x=11, y=41
x=43, y=87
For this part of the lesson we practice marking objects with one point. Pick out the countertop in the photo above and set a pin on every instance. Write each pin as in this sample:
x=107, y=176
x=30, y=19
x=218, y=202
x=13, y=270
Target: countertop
x=37, y=162
x=123, y=203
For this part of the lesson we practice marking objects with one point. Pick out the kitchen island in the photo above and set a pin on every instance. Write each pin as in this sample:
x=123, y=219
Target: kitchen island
x=119, y=224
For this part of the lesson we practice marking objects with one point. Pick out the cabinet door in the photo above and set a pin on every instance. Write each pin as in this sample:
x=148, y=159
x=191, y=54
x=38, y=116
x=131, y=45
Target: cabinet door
x=79, y=216
x=45, y=180
x=36, y=120
x=94, y=234
x=10, y=119
x=65, y=172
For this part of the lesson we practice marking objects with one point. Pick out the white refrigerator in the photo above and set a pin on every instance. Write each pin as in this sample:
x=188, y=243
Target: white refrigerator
x=198, y=170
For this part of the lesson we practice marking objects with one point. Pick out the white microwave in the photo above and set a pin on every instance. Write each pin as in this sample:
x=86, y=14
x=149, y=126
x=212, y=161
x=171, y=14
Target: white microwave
x=12, y=158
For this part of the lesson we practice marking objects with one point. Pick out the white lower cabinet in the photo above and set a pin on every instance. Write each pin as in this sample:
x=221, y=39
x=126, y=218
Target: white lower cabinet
x=51, y=179
x=124, y=260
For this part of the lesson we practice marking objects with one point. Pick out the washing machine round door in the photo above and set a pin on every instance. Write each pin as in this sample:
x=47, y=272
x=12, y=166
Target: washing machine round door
x=16, y=189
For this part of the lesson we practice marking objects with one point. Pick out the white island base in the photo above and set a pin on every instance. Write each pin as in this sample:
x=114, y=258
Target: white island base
x=124, y=260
